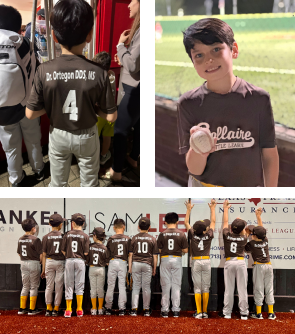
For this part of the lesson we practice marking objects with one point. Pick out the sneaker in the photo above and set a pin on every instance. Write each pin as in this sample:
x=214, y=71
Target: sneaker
x=164, y=314
x=108, y=311
x=40, y=175
x=122, y=312
x=271, y=316
x=68, y=314
x=79, y=314
x=133, y=312
x=105, y=158
x=54, y=313
x=93, y=312
x=256, y=316
x=34, y=312
x=244, y=317
x=23, y=182
x=147, y=312
x=176, y=314
x=48, y=313
x=205, y=315
x=221, y=315
x=197, y=315
x=22, y=311
x=100, y=311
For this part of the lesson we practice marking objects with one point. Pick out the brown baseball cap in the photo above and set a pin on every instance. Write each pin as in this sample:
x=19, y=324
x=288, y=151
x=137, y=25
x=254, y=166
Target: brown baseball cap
x=199, y=227
x=28, y=224
x=260, y=232
x=56, y=219
x=144, y=223
x=207, y=222
x=99, y=232
x=238, y=225
x=78, y=218
x=250, y=228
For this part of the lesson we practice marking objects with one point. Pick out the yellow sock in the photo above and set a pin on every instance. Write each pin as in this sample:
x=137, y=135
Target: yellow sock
x=69, y=305
x=79, y=302
x=258, y=309
x=23, y=301
x=270, y=308
x=205, y=301
x=198, y=299
x=49, y=307
x=33, y=301
x=56, y=308
x=100, y=303
x=93, y=301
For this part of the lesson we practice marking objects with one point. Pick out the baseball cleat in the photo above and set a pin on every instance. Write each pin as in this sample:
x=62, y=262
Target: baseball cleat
x=147, y=312
x=271, y=316
x=122, y=312
x=133, y=312
x=205, y=315
x=108, y=311
x=40, y=175
x=197, y=315
x=93, y=312
x=54, y=313
x=22, y=311
x=164, y=314
x=176, y=314
x=221, y=315
x=244, y=317
x=34, y=312
x=48, y=313
x=256, y=316
x=68, y=314
x=79, y=313
x=100, y=311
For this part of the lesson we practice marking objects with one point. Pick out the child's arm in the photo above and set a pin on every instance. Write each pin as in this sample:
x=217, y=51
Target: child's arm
x=108, y=117
x=212, y=207
x=43, y=265
x=258, y=213
x=226, y=206
x=189, y=207
x=34, y=114
x=155, y=264
x=270, y=161
x=130, y=263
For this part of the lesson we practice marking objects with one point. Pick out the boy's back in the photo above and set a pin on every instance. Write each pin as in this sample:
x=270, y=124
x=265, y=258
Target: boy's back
x=143, y=247
x=200, y=245
x=234, y=244
x=119, y=246
x=75, y=244
x=29, y=247
x=51, y=244
x=171, y=242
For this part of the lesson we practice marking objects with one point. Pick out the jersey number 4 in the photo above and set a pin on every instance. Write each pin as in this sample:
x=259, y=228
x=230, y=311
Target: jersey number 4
x=70, y=106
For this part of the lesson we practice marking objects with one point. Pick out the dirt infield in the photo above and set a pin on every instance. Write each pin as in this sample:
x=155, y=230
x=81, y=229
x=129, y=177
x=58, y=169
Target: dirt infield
x=10, y=322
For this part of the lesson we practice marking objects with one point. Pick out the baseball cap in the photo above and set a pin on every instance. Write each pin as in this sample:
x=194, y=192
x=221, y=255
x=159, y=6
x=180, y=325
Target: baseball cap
x=99, y=232
x=56, y=219
x=28, y=224
x=207, y=222
x=144, y=223
x=260, y=232
x=238, y=225
x=41, y=12
x=78, y=218
x=199, y=227
x=250, y=228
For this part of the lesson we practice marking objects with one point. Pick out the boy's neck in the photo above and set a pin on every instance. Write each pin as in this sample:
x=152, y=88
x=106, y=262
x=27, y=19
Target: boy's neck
x=171, y=225
x=75, y=50
x=29, y=233
x=56, y=229
x=119, y=231
x=79, y=228
x=143, y=231
x=223, y=85
x=98, y=242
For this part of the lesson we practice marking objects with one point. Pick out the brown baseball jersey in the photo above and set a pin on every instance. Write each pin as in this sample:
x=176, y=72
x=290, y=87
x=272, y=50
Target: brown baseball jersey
x=234, y=244
x=200, y=246
x=171, y=242
x=119, y=246
x=51, y=245
x=29, y=247
x=242, y=121
x=259, y=250
x=143, y=247
x=75, y=244
x=98, y=255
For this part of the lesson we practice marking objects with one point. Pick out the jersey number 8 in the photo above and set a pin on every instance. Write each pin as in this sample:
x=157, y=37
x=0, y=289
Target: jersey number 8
x=170, y=244
x=233, y=247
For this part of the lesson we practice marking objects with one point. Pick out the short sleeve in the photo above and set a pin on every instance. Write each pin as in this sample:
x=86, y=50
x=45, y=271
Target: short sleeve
x=184, y=124
x=248, y=247
x=36, y=99
x=44, y=244
x=106, y=101
x=267, y=138
x=155, y=249
x=86, y=245
x=107, y=256
x=131, y=250
x=64, y=243
x=184, y=243
x=128, y=246
x=225, y=232
x=18, y=247
x=160, y=241
x=38, y=246
x=190, y=233
x=108, y=245
x=210, y=233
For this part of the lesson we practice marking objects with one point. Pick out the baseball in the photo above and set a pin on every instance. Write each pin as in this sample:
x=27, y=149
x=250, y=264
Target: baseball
x=202, y=141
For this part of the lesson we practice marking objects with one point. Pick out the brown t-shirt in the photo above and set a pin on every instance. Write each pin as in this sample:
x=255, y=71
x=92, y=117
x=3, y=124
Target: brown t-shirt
x=29, y=247
x=234, y=244
x=259, y=250
x=75, y=244
x=143, y=247
x=51, y=245
x=200, y=246
x=242, y=121
x=119, y=246
x=98, y=255
x=171, y=242
x=68, y=88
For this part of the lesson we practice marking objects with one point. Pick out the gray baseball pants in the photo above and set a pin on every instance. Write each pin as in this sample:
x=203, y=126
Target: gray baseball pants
x=235, y=269
x=97, y=279
x=263, y=280
x=85, y=146
x=30, y=271
x=117, y=268
x=74, y=277
x=142, y=276
x=201, y=275
x=170, y=279
x=54, y=272
x=11, y=139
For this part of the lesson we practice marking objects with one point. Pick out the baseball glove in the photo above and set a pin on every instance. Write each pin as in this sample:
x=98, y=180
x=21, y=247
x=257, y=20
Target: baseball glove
x=129, y=281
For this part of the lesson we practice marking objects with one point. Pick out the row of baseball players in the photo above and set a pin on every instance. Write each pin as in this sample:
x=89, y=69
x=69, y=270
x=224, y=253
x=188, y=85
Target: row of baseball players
x=63, y=260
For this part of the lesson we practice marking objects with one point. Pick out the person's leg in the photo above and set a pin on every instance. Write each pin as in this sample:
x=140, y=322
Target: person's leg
x=106, y=143
x=35, y=269
x=93, y=286
x=59, y=283
x=147, y=272
x=197, y=280
x=79, y=282
x=176, y=272
x=122, y=284
x=133, y=157
x=50, y=277
x=69, y=283
x=206, y=282
x=258, y=287
x=268, y=286
x=100, y=279
x=242, y=278
x=112, y=276
x=136, y=285
x=25, y=273
x=166, y=282
x=229, y=283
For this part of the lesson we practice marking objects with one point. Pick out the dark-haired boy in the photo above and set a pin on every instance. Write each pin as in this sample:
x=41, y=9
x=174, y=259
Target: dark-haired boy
x=118, y=246
x=72, y=90
x=18, y=66
x=106, y=128
x=172, y=243
x=53, y=265
x=143, y=259
x=29, y=248
x=75, y=247
x=238, y=114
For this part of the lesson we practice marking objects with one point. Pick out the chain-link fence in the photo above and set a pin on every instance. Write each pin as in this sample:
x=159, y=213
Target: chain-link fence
x=266, y=57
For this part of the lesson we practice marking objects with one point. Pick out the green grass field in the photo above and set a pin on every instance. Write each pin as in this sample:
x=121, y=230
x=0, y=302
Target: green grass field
x=266, y=49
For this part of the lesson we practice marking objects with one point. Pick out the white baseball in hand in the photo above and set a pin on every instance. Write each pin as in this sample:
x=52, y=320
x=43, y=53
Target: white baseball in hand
x=202, y=141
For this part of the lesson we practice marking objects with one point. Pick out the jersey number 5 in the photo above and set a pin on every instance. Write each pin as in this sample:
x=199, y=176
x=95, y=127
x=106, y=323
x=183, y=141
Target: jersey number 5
x=70, y=106
x=24, y=250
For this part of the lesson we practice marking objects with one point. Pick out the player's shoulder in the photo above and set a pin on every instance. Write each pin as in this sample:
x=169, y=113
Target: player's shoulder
x=195, y=94
x=249, y=90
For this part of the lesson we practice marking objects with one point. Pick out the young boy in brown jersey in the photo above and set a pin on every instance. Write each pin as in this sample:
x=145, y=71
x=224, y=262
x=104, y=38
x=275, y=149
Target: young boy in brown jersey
x=29, y=248
x=53, y=265
x=238, y=115
x=143, y=259
x=235, y=265
x=201, y=236
x=262, y=270
x=97, y=259
x=75, y=247
x=172, y=244
x=118, y=246
x=69, y=89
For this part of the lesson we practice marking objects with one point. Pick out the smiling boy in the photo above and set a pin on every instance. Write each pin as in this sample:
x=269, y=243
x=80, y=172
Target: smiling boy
x=237, y=113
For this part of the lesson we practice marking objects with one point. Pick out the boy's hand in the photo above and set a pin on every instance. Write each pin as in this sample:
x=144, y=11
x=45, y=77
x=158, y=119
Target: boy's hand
x=117, y=60
x=124, y=36
x=154, y=272
x=195, y=129
x=188, y=204
x=43, y=274
x=258, y=212
x=226, y=205
x=212, y=205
